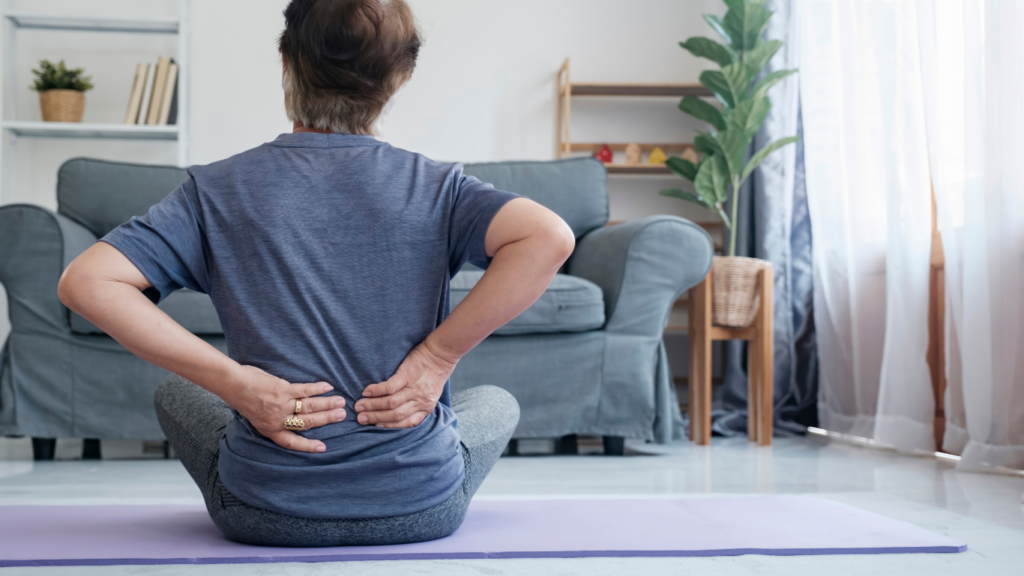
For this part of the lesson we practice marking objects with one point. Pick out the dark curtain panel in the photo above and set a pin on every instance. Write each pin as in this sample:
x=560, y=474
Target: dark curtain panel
x=774, y=224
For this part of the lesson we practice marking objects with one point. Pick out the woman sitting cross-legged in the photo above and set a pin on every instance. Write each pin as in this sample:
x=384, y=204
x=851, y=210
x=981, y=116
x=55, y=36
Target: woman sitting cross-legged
x=328, y=255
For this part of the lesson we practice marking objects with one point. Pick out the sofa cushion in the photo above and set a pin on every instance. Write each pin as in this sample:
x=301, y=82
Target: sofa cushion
x=570, y=304
x=193, y=310
x=101, y=195
x=574, y=188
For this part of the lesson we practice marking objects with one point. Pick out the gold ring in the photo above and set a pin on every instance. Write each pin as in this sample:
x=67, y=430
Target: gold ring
x=298, y=405
x=294, y=423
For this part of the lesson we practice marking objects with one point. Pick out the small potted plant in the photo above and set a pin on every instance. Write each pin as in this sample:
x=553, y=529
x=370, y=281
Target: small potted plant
x=721, y=169
x=61, y=91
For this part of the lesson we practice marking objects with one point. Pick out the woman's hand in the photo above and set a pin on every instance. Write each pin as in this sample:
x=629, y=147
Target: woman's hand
x=405, y=399
x=267, y=401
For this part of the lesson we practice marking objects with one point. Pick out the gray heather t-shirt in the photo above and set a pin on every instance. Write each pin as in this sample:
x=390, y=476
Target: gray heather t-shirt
x=327, y=257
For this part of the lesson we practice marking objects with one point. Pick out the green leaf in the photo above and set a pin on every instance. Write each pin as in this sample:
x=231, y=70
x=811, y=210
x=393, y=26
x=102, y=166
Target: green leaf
x=713, y=179
x=747, y=117
x=705, y=144
x=755, y=60
x=764, y=84
x=743, y=24
x=763, y=153
x=686, y=195
x=682, y=167
x=701, y=110
x=715, y=81
x=718, y=26
x=738, y=78
x=732, y=146
x=707, y=48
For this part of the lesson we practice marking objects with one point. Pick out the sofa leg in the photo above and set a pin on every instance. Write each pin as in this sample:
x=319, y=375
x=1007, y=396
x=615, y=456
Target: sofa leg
x=567, y=445
x=90, y=449
x=513, y=447
x=614, y=445
x=43, y=448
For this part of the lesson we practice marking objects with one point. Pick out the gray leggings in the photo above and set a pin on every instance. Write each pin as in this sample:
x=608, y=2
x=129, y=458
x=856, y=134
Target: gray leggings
x=193, y=421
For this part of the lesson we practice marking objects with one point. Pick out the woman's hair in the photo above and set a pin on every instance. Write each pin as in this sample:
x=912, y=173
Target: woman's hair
x=344, y=60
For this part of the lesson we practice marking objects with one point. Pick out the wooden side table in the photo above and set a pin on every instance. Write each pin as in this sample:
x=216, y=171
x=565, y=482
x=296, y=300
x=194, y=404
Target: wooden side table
x=759, y=362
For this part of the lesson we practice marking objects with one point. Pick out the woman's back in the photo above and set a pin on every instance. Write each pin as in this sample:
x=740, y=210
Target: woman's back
x=328, y=258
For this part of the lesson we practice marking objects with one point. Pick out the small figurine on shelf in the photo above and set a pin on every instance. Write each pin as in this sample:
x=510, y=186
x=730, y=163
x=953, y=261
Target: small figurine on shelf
x=632, y=153
x=657, y=156
x=604, y=154
x=691, y=155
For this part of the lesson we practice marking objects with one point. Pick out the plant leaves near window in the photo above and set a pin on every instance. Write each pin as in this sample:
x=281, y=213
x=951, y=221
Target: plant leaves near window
x=763, y=153
x=701, y=110
x=744, y=107
x=707, y=48
x=682, y=167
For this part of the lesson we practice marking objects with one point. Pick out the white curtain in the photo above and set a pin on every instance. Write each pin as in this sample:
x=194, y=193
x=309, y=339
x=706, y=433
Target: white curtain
x=973, y=74
x=869, y=192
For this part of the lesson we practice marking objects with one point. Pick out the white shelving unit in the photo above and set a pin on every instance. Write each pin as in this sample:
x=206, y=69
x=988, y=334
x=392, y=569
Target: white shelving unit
x=13, y=21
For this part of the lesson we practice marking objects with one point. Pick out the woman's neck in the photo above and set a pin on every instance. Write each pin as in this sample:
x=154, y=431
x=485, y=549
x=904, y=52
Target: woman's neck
x=300, y=127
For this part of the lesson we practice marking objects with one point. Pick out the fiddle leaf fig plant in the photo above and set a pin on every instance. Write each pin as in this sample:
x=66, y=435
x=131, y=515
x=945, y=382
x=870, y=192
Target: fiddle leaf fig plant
x=744, y=106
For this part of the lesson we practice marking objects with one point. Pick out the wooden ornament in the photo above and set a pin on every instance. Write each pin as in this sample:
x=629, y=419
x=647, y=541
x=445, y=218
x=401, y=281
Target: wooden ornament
x=632, y=153
x=657, y=156
x=604, y=154
x=691, y=155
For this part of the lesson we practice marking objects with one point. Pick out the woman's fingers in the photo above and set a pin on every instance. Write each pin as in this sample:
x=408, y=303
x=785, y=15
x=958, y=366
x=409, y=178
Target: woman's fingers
x=293, y=441
x=392, y=415
x=410, y=422
x=386, y=388
x=318, y=419
x=311, y=405
x=383, y=403
x=307, y=390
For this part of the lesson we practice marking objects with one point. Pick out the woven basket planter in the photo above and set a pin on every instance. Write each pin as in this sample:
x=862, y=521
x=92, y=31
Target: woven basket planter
x=62, y=105
x=735, y=293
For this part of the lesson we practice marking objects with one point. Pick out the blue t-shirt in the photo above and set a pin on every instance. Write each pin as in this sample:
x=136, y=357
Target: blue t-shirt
x=328, y=257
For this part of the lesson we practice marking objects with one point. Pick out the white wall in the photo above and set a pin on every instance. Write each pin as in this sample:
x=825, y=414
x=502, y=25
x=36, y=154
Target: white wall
x=484, y=88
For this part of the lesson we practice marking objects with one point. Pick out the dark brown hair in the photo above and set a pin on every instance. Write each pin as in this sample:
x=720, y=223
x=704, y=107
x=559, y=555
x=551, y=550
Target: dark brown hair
x=345, y=59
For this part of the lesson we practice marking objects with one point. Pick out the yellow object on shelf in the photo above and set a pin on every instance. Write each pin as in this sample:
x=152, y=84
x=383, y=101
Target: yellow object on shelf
x=657, y=156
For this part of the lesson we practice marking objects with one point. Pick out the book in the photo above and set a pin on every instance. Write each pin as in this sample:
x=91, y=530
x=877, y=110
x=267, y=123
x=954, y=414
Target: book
x=159, y=83
x=135, y=98
x=169, y=90
x=172, y=118
x=147, y=94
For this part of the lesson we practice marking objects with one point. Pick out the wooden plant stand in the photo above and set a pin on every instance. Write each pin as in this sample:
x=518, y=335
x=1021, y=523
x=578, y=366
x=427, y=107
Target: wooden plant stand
x=759, y=363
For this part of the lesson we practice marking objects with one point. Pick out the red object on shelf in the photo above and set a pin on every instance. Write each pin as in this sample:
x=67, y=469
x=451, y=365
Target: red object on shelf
x=604, y=154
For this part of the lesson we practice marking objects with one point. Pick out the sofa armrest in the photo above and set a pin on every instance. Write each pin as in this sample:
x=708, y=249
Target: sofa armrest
x=35, y=247
x=643, y=266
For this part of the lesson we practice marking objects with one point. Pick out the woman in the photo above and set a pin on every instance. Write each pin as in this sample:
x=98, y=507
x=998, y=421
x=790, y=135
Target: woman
x=327, y=255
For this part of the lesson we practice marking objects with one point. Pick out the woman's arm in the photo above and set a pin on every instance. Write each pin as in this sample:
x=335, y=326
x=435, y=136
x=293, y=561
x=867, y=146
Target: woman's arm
x=105, y=287
x=528, y=243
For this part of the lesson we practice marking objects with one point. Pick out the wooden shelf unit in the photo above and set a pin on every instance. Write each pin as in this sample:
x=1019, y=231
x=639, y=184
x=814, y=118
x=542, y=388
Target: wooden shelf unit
x=567, y=90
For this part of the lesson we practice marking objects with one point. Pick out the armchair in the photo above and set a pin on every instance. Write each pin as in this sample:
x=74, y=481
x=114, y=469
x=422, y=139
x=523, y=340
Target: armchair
x=609, y=377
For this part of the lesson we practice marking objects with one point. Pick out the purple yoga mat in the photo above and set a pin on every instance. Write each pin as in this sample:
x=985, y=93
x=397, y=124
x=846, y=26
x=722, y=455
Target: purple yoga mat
x=719, y=526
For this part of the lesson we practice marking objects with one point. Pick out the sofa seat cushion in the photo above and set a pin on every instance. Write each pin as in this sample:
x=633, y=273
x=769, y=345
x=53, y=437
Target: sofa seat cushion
x=193, y=310
x=570, y=304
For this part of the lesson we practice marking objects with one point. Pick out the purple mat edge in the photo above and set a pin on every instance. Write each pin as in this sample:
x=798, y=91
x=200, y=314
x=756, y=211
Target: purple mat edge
x=314, y=558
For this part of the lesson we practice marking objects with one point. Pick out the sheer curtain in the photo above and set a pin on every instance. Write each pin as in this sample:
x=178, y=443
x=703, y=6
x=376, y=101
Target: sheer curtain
x=869, y=193
x=973, y=76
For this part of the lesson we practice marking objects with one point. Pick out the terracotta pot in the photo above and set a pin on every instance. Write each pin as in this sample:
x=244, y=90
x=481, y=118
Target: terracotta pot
x=62, y=105
x=735, y=293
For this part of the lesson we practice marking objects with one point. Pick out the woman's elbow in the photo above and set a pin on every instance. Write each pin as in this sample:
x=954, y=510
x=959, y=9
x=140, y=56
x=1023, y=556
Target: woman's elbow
x=73, y=282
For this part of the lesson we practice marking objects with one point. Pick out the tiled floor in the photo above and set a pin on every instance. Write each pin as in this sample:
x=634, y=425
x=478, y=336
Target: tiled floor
x=983, y=510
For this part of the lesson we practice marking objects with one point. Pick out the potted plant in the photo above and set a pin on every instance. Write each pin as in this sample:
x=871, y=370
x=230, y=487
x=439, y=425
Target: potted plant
x=61, y=91
x=717, y=177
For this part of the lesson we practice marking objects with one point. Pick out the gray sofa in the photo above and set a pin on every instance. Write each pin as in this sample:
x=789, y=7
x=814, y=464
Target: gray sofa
x=587, y=358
